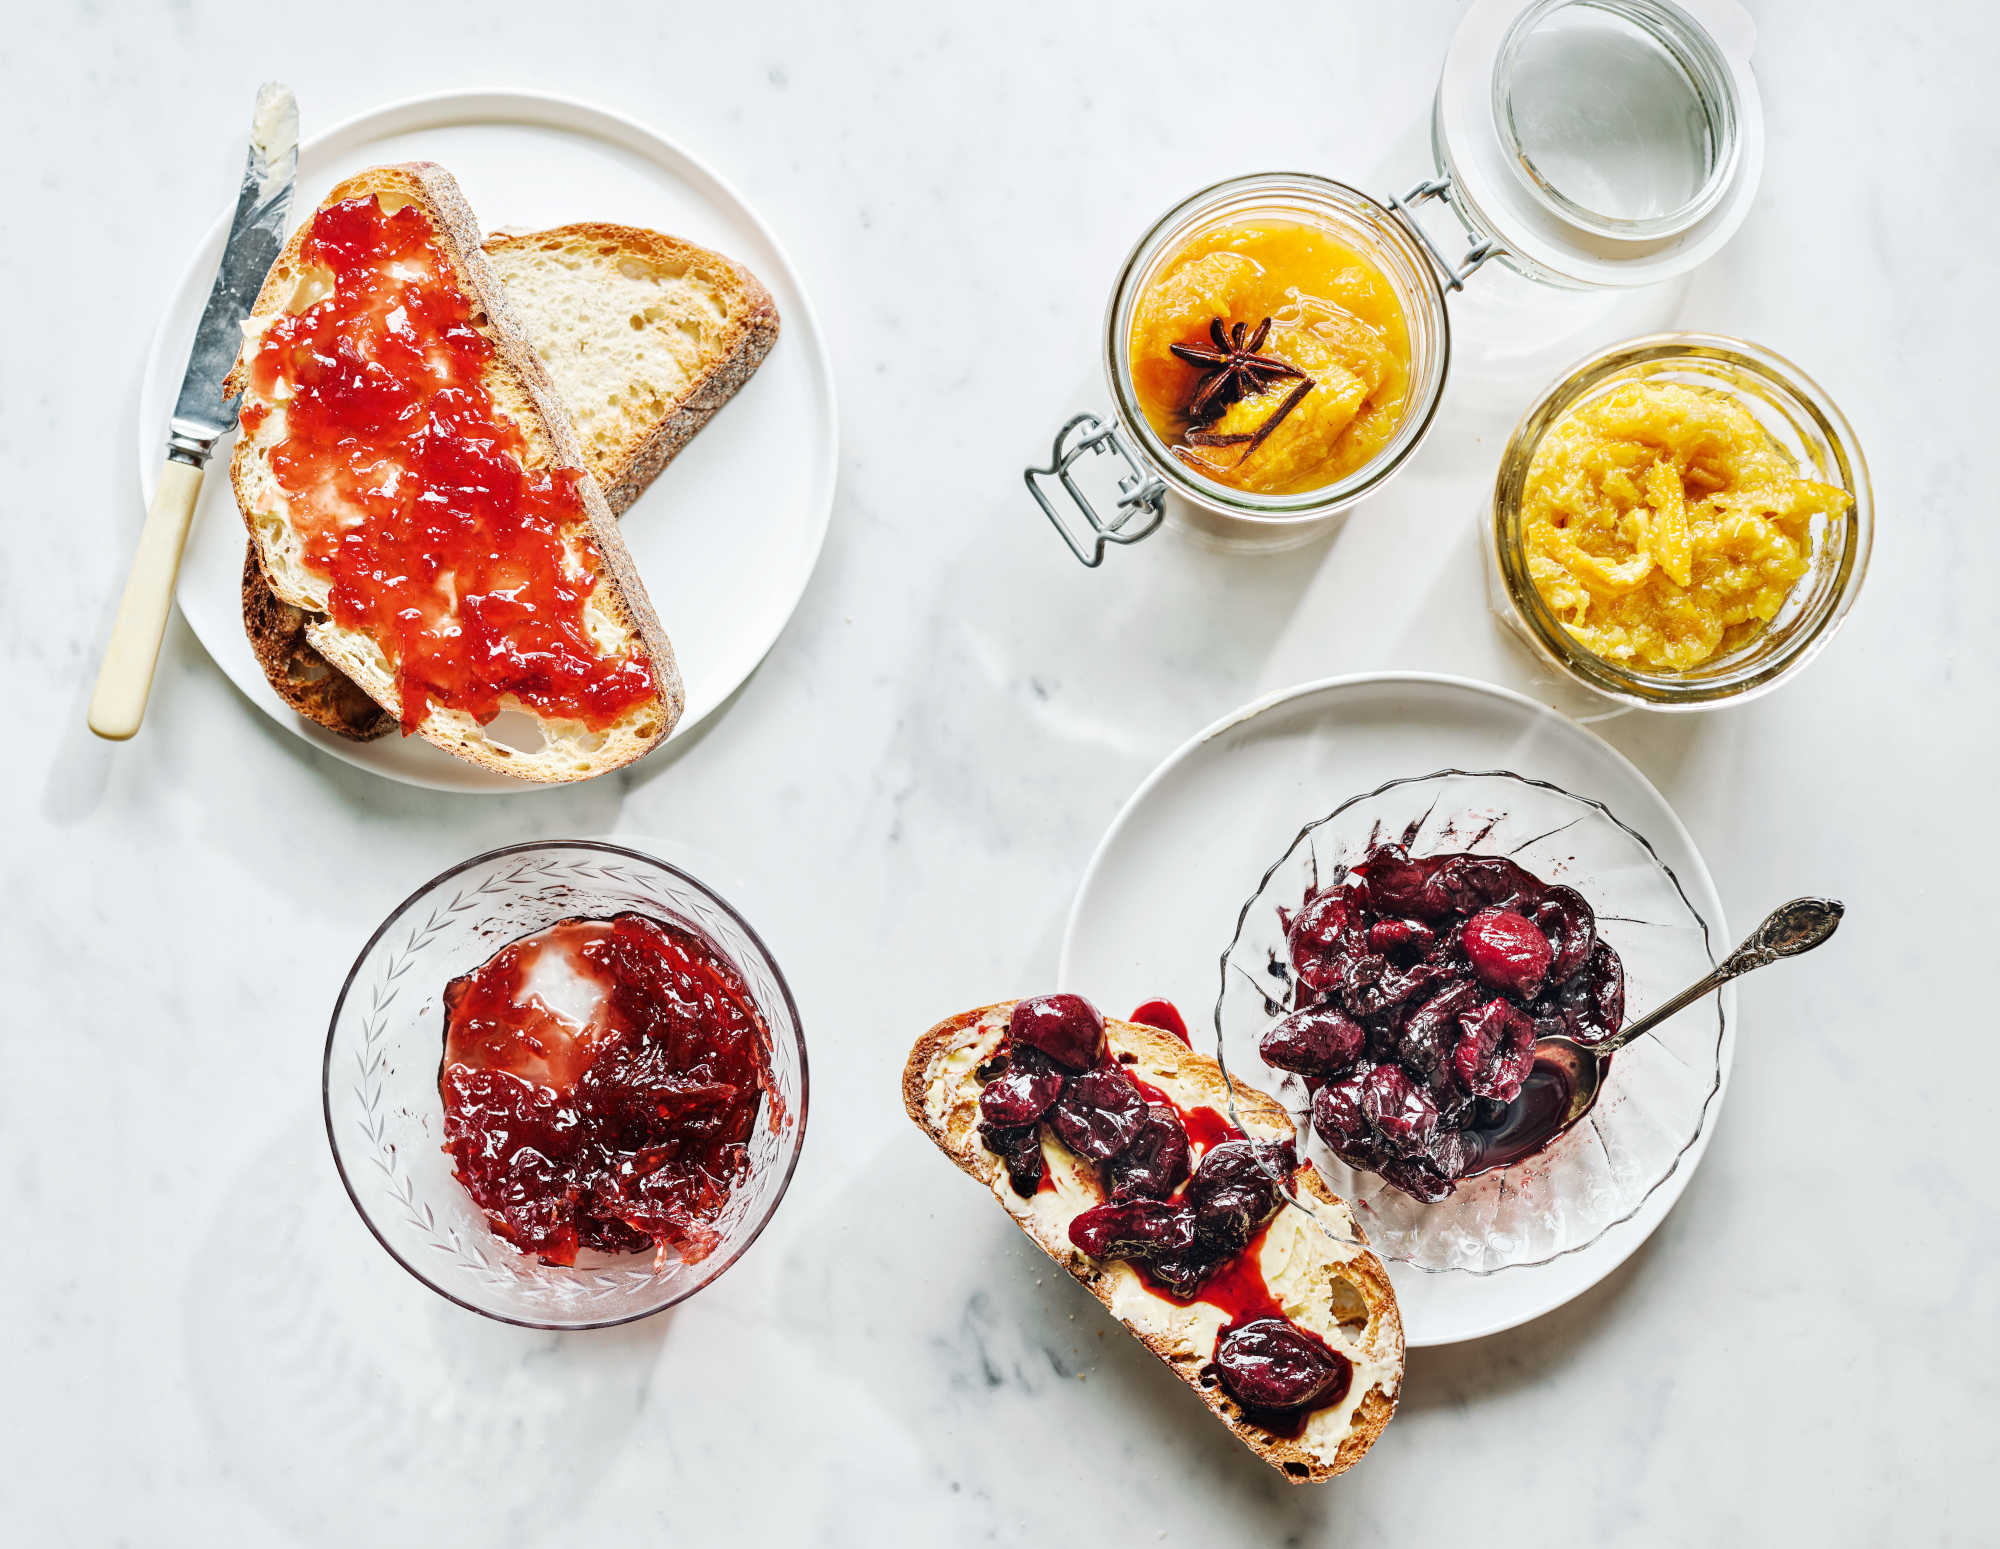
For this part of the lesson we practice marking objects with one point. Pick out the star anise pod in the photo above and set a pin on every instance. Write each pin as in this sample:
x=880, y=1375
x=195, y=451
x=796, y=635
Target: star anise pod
x=1235, y=369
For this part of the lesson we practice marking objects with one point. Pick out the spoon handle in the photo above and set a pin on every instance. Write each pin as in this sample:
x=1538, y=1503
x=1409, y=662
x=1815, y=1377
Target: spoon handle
x=1788, y=930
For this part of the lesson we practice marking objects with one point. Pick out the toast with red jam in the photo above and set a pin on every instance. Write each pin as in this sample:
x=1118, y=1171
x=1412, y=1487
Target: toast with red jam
x=645, y=337
x=414, y=485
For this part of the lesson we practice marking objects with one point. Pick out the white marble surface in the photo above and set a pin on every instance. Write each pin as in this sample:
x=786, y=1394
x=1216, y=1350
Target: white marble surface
x=203, y=1344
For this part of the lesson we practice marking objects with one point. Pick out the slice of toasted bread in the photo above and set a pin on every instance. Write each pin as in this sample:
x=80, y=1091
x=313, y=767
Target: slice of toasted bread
x=1314, y=1257
x=618, y=613
x=645, y=336
x=303, y=678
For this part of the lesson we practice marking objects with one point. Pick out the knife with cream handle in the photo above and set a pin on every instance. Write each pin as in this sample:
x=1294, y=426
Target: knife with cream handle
x=201, y=415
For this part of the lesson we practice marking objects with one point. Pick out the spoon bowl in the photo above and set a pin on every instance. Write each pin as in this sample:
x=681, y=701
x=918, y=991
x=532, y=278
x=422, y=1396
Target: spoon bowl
x=1567, y=1077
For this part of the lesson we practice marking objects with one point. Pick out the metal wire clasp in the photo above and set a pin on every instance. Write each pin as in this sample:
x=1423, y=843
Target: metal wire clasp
x=1139, y=490
x=1455, y=276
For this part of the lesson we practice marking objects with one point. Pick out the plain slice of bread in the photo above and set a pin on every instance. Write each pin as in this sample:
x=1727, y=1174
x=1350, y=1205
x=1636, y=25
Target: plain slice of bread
x=1313, y=1256
x=617, y=611
x=645, y=336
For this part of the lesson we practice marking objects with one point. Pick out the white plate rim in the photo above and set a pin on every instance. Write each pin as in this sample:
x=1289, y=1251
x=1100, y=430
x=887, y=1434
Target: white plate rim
x=433, y=110
x=1620, y=1241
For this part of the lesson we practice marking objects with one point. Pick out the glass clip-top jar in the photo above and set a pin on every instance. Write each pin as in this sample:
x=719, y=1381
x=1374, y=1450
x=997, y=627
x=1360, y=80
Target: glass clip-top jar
x=1276, y=346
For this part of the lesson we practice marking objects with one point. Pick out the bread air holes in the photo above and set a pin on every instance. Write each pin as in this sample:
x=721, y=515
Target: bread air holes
x=1346, y=1301
x=519, y=734
x=1297, y=1470
x=516, y=731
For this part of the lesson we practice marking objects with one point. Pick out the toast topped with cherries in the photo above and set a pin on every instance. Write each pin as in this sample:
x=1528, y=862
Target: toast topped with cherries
x=645, y=337
x=1182, y=1207
x=413, y=483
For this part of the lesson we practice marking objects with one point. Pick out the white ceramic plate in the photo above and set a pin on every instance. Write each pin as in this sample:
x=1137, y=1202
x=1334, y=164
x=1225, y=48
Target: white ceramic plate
x=727, y=536
x=1158, y=904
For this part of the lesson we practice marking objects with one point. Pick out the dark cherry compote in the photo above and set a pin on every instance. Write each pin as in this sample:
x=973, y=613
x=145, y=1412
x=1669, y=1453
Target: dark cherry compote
x=1186, y=1196
x=1421, y=985
x=601, y=1082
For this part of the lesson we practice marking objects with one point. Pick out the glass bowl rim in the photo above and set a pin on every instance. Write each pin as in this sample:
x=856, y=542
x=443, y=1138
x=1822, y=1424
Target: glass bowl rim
x=1303, y=507
x=1722, y=1023
x=528, y=847
x=1667, y=691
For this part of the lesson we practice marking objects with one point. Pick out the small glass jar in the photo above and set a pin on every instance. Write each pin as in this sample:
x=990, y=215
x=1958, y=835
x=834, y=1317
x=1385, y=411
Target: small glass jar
x=1798, y=418
x=1220, y=510
x=1583, y=143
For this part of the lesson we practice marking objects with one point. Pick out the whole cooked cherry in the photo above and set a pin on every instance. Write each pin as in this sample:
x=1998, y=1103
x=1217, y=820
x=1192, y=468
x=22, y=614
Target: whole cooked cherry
x=1319, y=1041
x=1392, y=882
x=1154, y=1163
x=1325, y=934
x=1336, y=1112
x=1022, y=1093
x=1465, y=884
x=1273, y=1364
x=1021, y=1151
x=1138, y=1229
x=1400, y=1110
x=1237, y=1187
x=1566, y=917
x=1099, y=1113
x=1401, y=941
x=1594, y=1001
x=1067, y=1028
x=1507, y=951
x=1496, y=1049
x=1431, y=1031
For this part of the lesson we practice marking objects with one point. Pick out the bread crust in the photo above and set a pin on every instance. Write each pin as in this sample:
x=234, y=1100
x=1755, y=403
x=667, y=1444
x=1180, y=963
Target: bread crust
x=1156, y=1050
x=748, y=335
x=300, y=676
x=620, y=593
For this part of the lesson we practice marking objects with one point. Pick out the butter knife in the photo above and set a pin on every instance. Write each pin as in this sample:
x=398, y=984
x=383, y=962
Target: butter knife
x=201, y=415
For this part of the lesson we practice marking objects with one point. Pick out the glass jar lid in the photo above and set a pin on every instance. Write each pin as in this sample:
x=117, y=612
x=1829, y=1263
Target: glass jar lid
x=1601, y=142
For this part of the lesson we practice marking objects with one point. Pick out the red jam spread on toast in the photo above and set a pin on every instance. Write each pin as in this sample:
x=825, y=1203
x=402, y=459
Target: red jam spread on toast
x=601, y=1081
x=1187, y=1197
x=413, y=495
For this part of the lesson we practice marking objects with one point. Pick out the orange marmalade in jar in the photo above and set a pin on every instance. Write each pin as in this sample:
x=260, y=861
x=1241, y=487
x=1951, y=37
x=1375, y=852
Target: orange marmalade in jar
x=1270, y=355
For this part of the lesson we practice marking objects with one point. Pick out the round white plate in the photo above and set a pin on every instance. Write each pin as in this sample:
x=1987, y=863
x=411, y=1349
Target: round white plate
x=726, y=537
x=1158, y=904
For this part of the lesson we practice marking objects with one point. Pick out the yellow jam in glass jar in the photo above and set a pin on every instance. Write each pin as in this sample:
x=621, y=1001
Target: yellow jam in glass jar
x=1270, y=355
x=1662, y=527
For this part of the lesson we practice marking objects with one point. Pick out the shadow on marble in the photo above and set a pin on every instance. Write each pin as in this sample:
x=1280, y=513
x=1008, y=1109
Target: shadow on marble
x=315, y=1361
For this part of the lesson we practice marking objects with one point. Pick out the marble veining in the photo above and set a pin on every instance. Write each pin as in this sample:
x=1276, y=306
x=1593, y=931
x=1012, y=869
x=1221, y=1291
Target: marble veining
x=203, y=1343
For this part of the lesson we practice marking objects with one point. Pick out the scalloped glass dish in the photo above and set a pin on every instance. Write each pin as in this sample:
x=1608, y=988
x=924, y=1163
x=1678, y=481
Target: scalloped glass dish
x=1659, y=1090
x=385, y=1119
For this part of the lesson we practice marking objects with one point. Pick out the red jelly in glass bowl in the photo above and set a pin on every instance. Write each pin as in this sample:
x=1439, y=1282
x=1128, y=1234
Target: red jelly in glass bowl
x=565, y=1085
